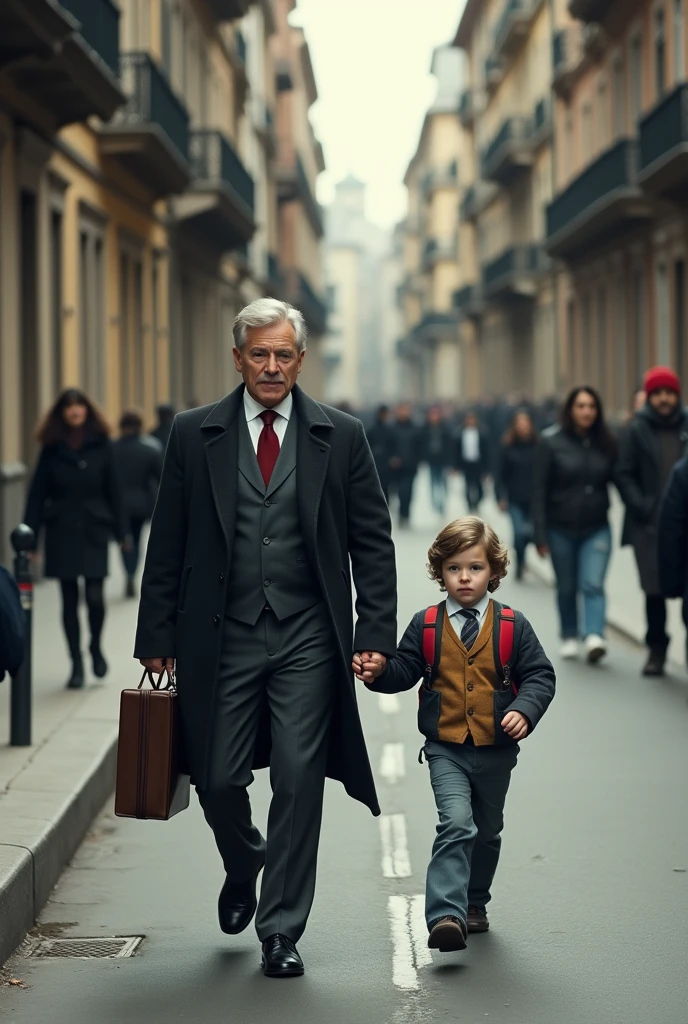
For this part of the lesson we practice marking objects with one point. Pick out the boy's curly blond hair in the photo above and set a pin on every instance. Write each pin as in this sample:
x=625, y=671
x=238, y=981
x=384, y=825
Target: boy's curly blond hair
x=466, y=533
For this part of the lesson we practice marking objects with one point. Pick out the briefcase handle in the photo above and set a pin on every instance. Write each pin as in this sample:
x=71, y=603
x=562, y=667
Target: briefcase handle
x=171, y=680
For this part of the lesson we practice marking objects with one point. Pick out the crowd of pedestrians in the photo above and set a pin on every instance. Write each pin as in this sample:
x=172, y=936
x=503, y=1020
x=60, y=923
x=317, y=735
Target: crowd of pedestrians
x=552, y=469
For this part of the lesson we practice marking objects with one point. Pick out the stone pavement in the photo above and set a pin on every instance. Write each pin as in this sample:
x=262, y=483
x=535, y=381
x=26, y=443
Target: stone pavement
x=51, y=791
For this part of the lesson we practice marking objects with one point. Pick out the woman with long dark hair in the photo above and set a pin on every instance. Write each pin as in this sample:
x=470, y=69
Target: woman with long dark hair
x=573, y=470
x=514, y=481
x=75, y=496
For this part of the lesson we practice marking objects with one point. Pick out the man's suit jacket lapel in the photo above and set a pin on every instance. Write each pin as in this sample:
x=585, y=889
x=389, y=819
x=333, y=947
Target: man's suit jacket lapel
x=312, y=460
x=222, y=455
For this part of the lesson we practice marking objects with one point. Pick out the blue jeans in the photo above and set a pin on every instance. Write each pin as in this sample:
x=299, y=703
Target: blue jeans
x=438, y=488
x=580, y=566
x=470, y=786
x=523, y=530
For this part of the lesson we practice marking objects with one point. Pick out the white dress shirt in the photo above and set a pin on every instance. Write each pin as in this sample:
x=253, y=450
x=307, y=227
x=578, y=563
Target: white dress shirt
x=470, y=444
x=253, y=410
x=458, y=620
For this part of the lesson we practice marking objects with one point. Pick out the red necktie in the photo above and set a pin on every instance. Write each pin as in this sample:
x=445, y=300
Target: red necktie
x=268, y=446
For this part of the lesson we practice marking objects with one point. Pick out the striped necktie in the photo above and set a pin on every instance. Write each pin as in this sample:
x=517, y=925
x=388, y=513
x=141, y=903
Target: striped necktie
x=471, y=627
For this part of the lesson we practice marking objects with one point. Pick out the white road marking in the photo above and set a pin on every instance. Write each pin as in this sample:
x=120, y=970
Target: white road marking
x=409, y=940
x=392, y=767
x=396, y=862
x=389, y=703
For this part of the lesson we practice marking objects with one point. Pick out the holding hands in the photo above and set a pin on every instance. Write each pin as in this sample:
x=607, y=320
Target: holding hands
x=368, y=665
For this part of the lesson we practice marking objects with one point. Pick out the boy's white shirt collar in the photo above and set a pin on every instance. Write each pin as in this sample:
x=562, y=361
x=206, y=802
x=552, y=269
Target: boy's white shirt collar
x=453, y=607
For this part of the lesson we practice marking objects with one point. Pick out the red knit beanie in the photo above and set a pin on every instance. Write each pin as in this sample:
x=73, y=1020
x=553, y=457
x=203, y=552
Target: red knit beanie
x=662, y=377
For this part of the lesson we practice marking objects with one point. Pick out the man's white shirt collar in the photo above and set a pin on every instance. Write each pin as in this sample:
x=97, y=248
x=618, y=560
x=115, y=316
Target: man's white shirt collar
x=453, y=608
x=253, y=409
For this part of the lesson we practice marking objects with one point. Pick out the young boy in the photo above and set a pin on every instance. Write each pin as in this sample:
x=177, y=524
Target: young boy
x=488, y=686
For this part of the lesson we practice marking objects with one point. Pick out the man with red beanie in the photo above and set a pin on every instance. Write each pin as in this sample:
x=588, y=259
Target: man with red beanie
x=655, y=439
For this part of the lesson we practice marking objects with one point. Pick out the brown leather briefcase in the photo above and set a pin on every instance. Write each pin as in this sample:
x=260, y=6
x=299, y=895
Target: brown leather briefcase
x=150, y=782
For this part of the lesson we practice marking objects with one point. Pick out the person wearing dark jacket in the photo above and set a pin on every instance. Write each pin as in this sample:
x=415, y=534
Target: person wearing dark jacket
x=514, y=481
x=165, y=415
x=75, y=496
x=473, y=711
x=672, y=538
x=12, y=625
x=651, y=444
x=573, y=470
x=381, y=440
x=436, y=444
x=138, y=461
x=473, y=459
x=407, y=453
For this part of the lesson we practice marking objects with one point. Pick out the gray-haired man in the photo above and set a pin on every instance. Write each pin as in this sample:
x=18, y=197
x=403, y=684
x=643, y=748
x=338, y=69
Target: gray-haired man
x=265, y=498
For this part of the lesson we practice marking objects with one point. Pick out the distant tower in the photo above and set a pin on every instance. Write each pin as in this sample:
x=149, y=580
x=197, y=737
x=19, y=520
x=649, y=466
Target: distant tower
x=350, y=194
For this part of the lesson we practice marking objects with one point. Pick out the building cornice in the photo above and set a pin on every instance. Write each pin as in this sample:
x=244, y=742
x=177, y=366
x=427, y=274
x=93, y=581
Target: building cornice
x=469, y=17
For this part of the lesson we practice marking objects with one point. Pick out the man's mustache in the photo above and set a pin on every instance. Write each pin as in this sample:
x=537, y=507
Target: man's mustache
x=271, y=378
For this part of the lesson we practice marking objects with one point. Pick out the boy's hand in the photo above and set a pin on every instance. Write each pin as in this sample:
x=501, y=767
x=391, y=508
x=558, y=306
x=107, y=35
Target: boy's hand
x=368, y=665
x=515, y=725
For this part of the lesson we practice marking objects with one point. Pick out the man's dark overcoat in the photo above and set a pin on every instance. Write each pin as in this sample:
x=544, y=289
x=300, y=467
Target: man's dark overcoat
x=345, y=524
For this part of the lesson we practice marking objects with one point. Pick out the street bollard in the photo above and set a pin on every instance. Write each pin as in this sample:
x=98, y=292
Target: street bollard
x=23, y=541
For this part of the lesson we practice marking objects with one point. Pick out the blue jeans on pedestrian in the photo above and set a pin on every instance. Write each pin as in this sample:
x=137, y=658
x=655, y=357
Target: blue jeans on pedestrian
x=523, y=530
x=438, y=488
x=580, y=566
x=470, y=786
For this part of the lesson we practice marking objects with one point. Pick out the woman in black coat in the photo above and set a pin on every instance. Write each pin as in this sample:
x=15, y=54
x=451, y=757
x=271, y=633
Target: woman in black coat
x=514, y=482
x=75, y=496
x=573, y=470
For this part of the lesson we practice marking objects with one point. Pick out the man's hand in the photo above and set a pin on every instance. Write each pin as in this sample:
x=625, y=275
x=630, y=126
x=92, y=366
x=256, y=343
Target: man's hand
x=368, y=665
x=542, y=550
x=158, y=665
x=515, y=725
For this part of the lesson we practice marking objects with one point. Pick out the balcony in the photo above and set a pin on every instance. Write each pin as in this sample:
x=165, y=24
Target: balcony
x=436, y=326
x=494, y=73
x=467, y=108
x=590, y=10
x=219, y=204
x=475, y=199
x=510, y=152
x=468, y=301
x=229, y=10
x=602, y=201
x=438, y=249
x=664, y=146
x=300, y=293
x=440, y=177
x=64, y=57
x=513, y=274
x=568, y=59
x=149, y=135
x=542, y=125
x=513, y=27
x=292, y=185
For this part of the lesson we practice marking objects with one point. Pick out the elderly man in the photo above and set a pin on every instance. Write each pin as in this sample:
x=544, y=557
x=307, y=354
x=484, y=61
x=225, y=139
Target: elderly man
x=265, y=498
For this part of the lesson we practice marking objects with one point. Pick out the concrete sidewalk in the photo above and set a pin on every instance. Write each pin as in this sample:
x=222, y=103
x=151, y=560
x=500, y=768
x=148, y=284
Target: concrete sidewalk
x=51, y=791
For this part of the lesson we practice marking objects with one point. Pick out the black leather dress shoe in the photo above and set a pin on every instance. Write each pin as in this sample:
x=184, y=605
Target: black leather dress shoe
x=237, y=904
x=280, y=958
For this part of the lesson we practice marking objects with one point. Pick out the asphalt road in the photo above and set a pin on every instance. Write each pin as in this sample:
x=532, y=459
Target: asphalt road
x=590, y=909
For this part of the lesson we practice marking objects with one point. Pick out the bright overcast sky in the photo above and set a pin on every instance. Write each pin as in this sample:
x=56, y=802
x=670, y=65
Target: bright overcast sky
x=372, y=65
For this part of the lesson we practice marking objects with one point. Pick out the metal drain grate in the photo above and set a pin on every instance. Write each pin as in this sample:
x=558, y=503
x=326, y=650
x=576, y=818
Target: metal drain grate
x=88, y=949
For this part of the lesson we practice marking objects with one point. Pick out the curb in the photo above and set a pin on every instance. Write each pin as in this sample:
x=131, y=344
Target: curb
x=35, y=851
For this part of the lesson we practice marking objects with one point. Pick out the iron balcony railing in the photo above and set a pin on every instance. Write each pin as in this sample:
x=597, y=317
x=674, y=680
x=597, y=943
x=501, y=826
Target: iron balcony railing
x=514, y=129
x=512, y=10
x=590, y=10
x=152, y=101
x=518, y=259
x=467, y=297
x=665, y=127
x=99, y=27
x=616, y=169
x=213, y=158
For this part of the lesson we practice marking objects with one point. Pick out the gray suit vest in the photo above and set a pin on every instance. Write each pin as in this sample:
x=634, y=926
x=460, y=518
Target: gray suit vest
x=269, y=560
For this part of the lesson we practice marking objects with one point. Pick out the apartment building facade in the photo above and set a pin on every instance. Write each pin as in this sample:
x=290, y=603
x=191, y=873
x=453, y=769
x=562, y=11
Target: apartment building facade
x=135, y=218
x=431, y=244
x=618, y=223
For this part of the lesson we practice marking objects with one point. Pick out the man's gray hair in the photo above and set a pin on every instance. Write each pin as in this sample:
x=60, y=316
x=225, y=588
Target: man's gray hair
x=264, y=313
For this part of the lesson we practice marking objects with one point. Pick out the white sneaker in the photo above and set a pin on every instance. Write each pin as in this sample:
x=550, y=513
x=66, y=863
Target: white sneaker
x=569, y=649
x=595, y=648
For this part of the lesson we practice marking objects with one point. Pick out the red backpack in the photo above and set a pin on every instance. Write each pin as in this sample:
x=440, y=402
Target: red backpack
x=505, y=626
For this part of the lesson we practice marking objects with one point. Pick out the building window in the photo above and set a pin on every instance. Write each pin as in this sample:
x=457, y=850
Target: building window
x=679, y=41
x=660, y=52
x=92, y=304
x=619, y=98
x=636, y=78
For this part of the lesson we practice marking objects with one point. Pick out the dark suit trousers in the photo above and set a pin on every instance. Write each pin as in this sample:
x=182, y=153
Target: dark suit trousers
x=291, y=664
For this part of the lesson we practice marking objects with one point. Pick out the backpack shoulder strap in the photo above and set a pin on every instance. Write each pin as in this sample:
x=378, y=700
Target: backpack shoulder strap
x=432, y=637
x=506, y=623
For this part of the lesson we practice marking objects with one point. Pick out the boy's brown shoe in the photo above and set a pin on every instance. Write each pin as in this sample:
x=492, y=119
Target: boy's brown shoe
x=477, y=920
x=448, y=935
